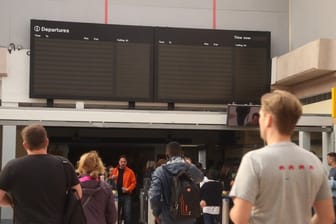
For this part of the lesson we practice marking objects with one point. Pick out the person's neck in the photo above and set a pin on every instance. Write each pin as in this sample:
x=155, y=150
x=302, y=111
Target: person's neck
x=275, y=137
x=37, y=152
x=333, y=165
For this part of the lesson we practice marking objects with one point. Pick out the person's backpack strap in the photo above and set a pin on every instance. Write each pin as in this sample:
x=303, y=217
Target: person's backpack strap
x=91, y=195
x=73, y=210
x=87, y=200
x=66, y=173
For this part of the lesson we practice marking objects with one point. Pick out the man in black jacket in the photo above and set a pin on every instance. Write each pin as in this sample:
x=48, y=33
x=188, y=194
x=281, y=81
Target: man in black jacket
x=211, y=198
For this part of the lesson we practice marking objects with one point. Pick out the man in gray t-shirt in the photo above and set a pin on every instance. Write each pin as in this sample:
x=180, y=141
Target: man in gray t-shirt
x=280, y=182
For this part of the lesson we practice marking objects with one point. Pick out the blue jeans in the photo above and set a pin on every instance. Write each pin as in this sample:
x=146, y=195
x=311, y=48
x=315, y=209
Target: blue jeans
x=125, y=203
x=210, y=219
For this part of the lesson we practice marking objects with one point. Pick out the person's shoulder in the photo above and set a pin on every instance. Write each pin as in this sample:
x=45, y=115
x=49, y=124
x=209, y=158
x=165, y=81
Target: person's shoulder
x=128, y=169
x=158, y=172
x=59, y=158
x=256, y=152
x=306, y=152
x=212, y=184
x=21, y=160
x=106, y=187
x=16, y=162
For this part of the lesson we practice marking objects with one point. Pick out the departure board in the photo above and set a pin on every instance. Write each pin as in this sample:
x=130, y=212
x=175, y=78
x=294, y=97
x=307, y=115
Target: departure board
x=211, y=66
x=137, y=63
x=91, y=61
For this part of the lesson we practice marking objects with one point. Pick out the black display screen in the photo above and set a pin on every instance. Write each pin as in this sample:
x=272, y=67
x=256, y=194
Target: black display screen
x=91, y=61
x=137, y=63
x=211, y=66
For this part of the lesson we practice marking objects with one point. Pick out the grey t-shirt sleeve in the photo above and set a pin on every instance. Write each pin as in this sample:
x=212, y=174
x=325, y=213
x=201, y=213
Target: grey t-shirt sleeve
x=246, y=183
x=324, y=191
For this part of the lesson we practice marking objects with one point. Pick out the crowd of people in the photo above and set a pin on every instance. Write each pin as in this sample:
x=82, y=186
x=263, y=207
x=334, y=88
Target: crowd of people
x=278, y=183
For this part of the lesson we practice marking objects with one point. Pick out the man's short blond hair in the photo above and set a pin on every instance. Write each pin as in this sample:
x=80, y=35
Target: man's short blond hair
x=285, y=108
x=35, y=136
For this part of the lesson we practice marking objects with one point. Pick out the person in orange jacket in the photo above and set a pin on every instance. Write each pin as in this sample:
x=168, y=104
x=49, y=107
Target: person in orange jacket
x=125, y=181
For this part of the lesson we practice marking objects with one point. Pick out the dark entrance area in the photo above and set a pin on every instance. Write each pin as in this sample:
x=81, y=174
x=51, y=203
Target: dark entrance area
x=142, y=145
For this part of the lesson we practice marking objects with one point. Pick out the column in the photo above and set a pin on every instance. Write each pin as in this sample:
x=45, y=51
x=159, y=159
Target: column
x=304, y=140
x=202, y=157
x=327, y=147
x=8, y=153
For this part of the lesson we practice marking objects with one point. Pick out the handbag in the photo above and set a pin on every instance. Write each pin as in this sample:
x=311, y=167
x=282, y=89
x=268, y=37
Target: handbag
x=73, y=209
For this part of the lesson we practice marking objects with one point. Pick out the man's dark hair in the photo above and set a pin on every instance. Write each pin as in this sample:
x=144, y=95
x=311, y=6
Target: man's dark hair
x=212, y=174
x=173, y=149
x=122, y=157
x=34, y=136
x=332, y=155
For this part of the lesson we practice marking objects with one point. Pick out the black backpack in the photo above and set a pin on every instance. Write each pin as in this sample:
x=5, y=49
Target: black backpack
x=184, y=196
x=73, y=209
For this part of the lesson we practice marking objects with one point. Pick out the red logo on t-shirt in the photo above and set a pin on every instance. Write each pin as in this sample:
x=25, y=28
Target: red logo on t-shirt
x=282, y=167
x=291, y=167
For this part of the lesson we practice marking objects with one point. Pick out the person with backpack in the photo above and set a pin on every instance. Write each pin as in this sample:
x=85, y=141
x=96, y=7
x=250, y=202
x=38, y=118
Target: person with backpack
x=98, y=200
x=174, y=192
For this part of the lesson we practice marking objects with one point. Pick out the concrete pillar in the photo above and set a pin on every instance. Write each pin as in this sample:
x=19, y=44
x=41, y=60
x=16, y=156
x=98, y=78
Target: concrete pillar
x=8, y=153
x=202, y=157
x=304, y=140
x=327, y=147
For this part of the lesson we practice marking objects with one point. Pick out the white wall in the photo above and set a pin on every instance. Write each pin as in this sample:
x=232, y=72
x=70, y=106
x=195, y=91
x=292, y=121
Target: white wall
x=264, y=15
x=311, y=20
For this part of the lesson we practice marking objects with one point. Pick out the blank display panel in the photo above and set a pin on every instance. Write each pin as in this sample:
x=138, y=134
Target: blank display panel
x=91, y=61
x=73, y=68
x=194, y=73
x=251, y=75
x=211, y=66
x=133, y=75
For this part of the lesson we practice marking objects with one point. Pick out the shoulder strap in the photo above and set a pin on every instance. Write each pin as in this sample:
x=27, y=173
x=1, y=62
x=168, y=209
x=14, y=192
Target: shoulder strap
x=165, y=168
x=87, y=201
x=67, y=176
x=91, y=195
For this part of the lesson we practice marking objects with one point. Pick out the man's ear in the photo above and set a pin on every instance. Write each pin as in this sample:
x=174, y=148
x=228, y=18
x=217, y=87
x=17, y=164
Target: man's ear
x=269, y=120
x=25, y=145
x=46, y=142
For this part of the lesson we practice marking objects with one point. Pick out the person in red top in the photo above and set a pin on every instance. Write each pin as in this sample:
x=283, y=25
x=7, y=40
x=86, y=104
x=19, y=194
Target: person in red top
x=125, y=181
